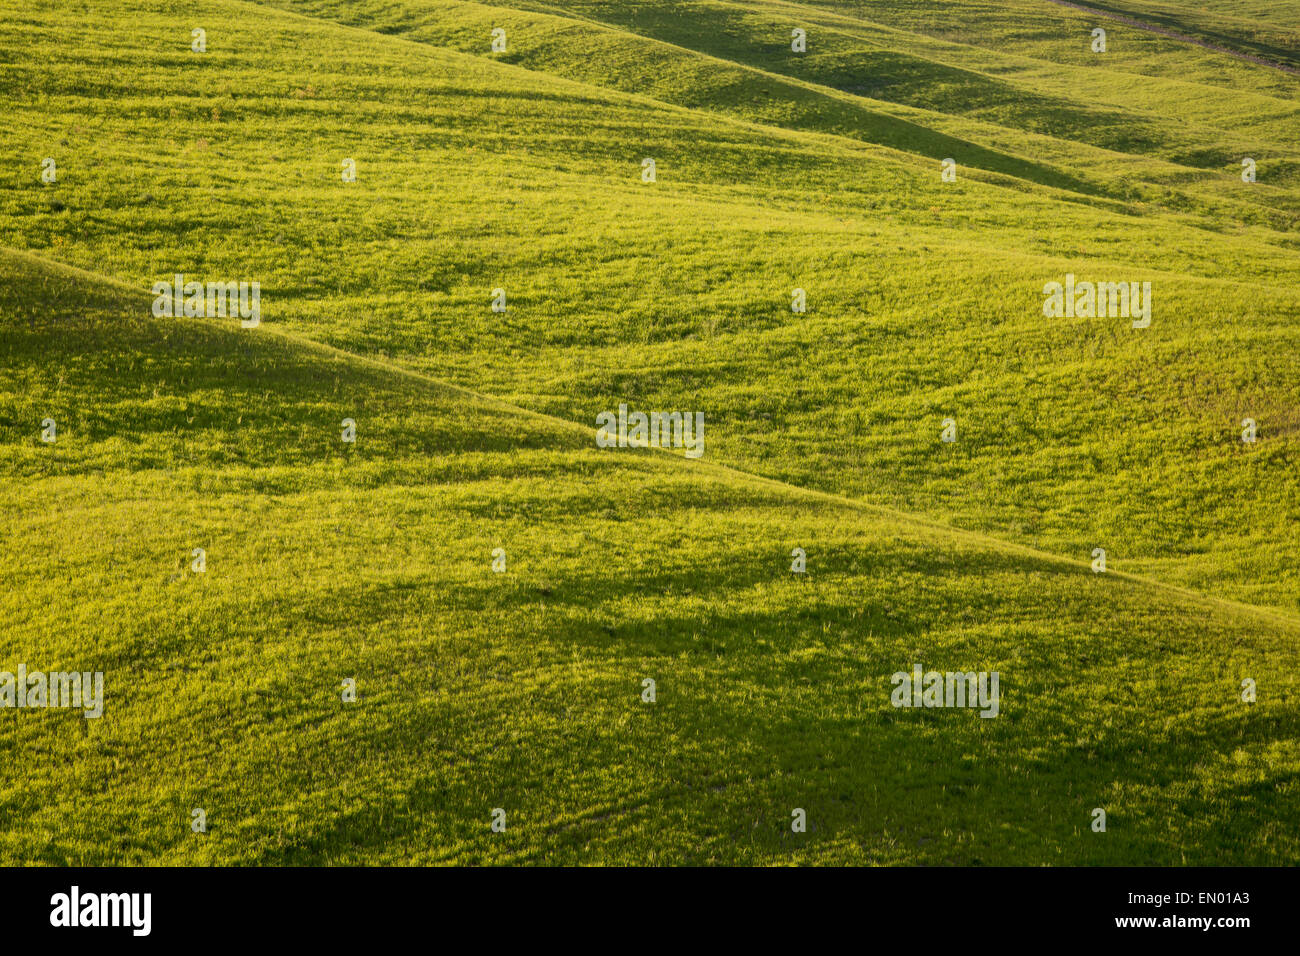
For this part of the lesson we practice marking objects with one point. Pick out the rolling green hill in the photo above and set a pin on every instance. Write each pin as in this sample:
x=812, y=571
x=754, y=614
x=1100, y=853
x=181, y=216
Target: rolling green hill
x=522, y=171
x=521, y=689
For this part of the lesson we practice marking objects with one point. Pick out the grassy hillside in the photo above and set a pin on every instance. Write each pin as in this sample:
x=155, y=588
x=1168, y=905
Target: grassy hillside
x=521, y=690
x=522, y=170
x=925, y=297
x=1041, y=111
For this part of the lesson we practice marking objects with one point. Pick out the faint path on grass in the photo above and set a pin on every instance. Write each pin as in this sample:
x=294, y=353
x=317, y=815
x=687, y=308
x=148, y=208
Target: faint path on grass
x=1175, y=35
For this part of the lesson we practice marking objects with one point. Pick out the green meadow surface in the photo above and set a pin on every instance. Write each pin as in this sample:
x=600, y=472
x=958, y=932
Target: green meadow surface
x=475, y=430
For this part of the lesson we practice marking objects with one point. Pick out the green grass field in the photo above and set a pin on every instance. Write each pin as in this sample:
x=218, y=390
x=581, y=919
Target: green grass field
x=522, y=689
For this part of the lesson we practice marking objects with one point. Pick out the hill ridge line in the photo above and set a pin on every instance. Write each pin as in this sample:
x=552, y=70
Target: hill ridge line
x=884, y=109
x=491, y=401
x=844, y=27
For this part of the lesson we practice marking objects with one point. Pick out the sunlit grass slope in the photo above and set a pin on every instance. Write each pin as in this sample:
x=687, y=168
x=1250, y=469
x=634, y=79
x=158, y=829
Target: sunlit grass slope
x=1012, y=87
x=522, y=690
x=924, y=297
